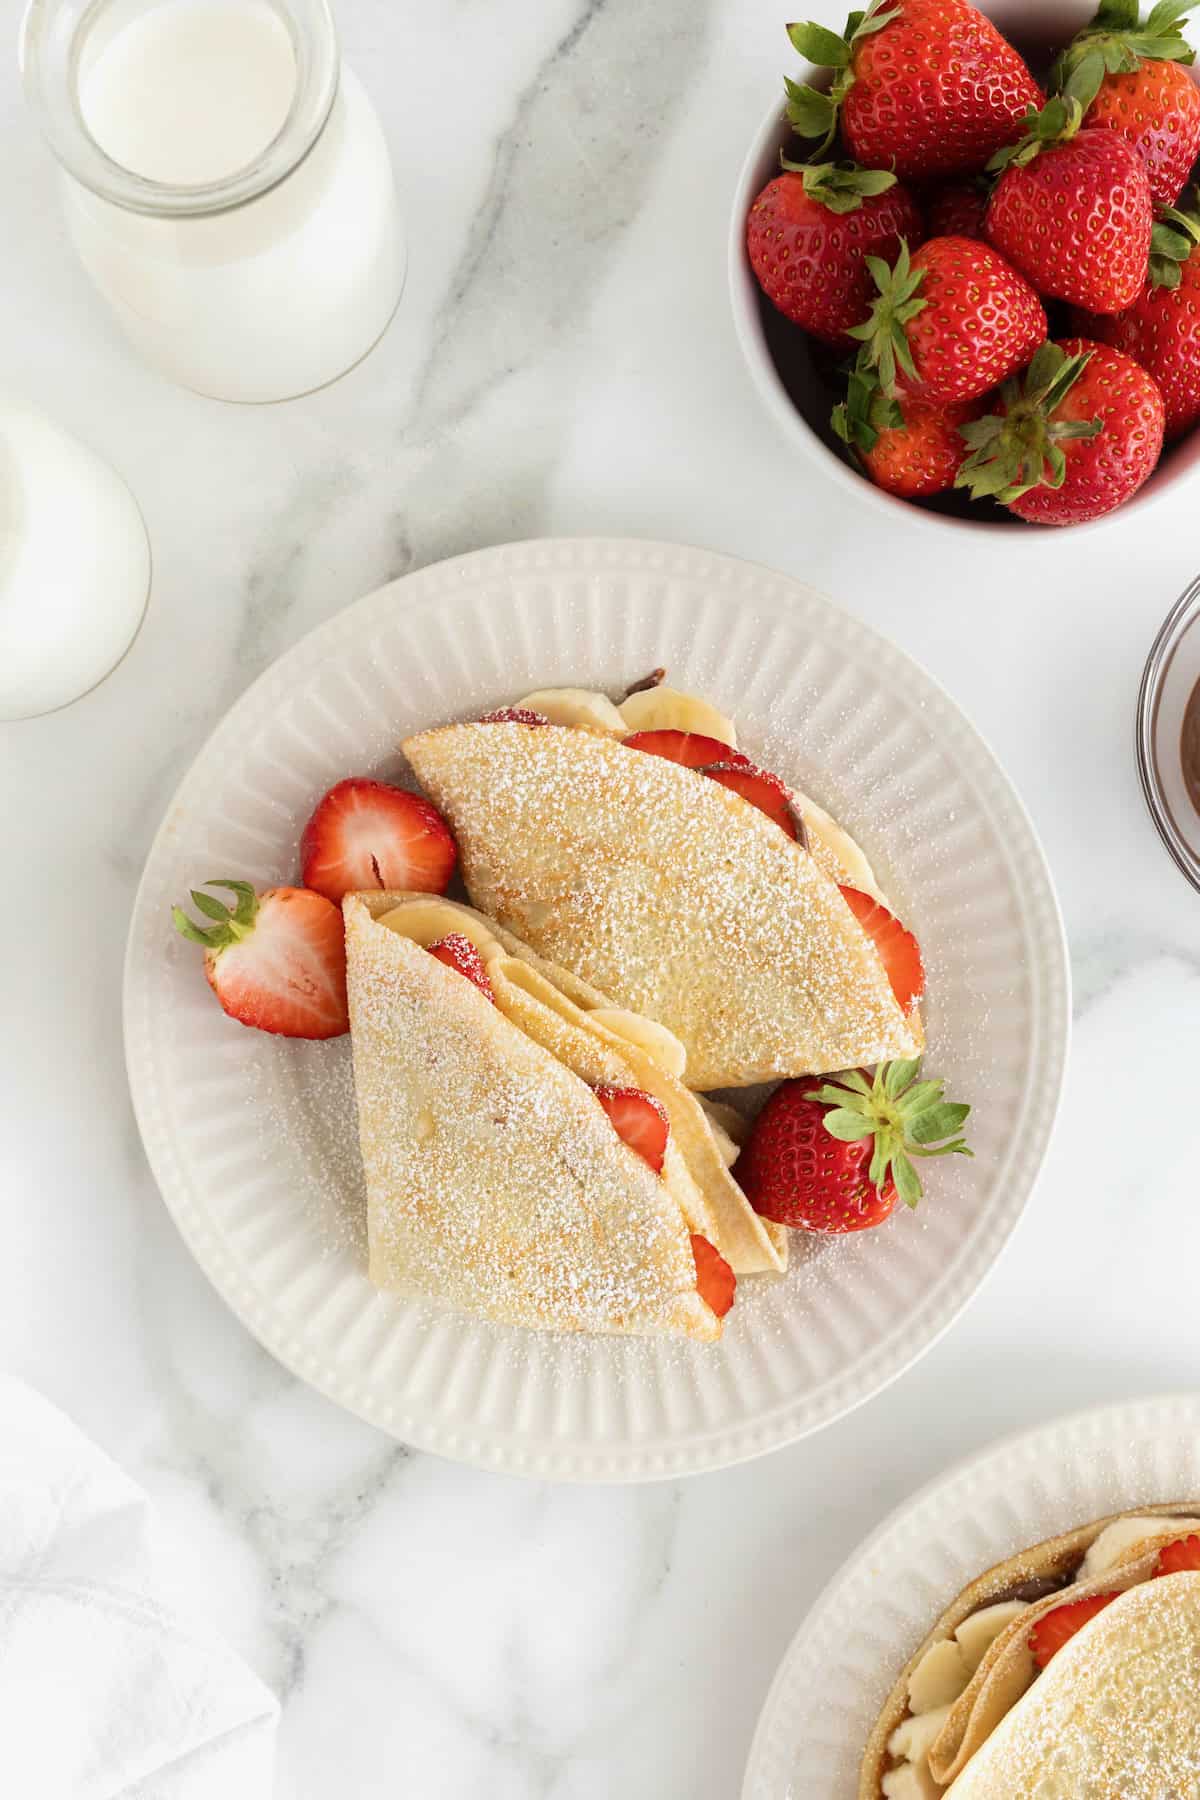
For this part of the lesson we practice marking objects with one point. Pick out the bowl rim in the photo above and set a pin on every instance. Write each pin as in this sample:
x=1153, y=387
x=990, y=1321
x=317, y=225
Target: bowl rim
x=744, y=298
x=1183, y=617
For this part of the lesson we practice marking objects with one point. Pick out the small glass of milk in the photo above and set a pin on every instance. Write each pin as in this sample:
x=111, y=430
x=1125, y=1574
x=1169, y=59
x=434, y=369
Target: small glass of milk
x=226, y=184
x=74, y=566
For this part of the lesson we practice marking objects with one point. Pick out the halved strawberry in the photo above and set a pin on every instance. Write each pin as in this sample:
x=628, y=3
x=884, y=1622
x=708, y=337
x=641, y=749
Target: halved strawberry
x=275, y=960
x=1058, y=1627
x=365, y=834
x=639, y=1121
x=715, y=1279
x=761, y=789
x=691, y=748
x=458, y=952
x=898, y=949
x=514, y=715
x=1182, y=1555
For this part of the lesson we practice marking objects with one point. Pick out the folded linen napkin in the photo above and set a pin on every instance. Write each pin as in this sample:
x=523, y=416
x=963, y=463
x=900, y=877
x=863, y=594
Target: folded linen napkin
x=106, y=1691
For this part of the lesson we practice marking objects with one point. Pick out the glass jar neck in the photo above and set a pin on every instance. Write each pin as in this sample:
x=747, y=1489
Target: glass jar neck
x=56, y=38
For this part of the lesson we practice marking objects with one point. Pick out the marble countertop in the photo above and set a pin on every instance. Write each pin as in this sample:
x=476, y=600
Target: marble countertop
x=562, y=362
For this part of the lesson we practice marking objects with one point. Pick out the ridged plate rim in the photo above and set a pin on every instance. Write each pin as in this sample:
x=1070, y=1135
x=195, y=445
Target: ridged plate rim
x=784, y=601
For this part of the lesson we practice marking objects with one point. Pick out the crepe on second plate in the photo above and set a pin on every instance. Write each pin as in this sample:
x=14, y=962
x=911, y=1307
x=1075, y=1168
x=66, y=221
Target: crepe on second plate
x=971, y=1718
x=495, y=1181
x=669, y=892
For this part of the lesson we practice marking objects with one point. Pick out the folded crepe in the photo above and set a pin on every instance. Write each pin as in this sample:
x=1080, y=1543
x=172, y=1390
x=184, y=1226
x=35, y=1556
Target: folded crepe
x=495, y=1181
x=1113, y=1714
x=672, y=894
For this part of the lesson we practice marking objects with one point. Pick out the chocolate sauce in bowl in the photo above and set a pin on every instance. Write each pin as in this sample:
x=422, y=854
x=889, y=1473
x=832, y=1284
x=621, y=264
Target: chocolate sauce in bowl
x=1189, y=747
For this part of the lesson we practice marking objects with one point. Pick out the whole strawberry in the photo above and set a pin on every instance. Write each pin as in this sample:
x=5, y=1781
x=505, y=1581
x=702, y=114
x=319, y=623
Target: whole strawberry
x=1144, y=93
x=1161, y=330
x=1072, y=207
x=809, y=234
x=958, y=209
x=925, y=87
x=909, y=447
x=949, y=323
x=834, y=1154
x=1072, y=441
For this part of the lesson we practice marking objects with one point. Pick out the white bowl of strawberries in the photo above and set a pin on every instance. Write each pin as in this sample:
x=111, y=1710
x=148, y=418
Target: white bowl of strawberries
x=965, y=257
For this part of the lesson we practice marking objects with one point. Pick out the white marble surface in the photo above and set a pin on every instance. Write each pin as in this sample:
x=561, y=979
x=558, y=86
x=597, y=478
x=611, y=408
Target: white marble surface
x=562, y=362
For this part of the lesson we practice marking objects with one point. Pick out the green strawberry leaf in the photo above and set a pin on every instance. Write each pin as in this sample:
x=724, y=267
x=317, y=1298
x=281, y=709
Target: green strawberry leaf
x=904, y=1175
x=897, y=1075
x=848, y=1127
x=937, y=1122
x=820, y=45
x=1116, y=15
x=195, y=934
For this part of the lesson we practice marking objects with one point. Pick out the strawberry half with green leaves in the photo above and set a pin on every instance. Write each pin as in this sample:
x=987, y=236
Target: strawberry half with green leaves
x=925, y=87
x=1144, y=92
x=1073, y=439
x=835, y=1154
x=1161, y=330
x=909, y=447
x=276, y=960
x=950, y=322
x=1072, y=208
x=809, y=234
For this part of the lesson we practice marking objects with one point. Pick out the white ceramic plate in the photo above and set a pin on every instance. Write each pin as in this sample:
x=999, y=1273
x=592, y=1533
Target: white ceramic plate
x=252, y=1139
x=843, y=1660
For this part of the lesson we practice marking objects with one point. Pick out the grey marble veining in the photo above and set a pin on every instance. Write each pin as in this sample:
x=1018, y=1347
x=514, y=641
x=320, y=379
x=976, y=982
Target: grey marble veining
x=562, y=361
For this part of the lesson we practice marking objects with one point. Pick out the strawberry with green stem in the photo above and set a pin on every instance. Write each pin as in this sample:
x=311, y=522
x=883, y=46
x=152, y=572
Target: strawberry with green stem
x=950, y=322
x=836, y=1154
x=809, y=233
x=276, y=960
x=1073, y=439
x=1144, y=90
x=910, y=448
x=925, y=87
x=1161, y=330
x=1072, y=209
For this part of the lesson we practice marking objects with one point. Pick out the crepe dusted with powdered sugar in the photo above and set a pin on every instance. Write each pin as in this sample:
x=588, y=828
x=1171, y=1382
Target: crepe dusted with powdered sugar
x=670, y=893
x=495, y=1181
x=1114, y=1713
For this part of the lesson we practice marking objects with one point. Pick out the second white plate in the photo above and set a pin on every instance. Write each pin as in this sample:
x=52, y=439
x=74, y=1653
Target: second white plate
x=843, y=1660
x=253, y=1139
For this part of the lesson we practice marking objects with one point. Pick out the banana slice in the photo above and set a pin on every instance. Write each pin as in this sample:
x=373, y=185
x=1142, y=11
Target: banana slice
x=427, y=921
x=834, y=849
x=659, y=1043
x=979, y=1631
x=666, y=709
x=911, y=1781
x=939, y=1678
x=1117, y=1539
x=913, y=1739
x=577, y=706
x=728, y=1127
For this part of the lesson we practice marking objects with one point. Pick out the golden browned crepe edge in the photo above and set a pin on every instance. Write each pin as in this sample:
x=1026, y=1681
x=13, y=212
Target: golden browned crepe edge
x=1053, y=1557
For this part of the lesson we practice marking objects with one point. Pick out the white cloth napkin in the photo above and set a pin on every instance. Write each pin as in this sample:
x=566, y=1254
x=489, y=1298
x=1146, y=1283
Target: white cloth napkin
x=105, y=1690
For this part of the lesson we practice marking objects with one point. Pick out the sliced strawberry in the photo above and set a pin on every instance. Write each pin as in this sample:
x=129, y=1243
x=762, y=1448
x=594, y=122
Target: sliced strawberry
x=898, y=949
x=365, y=834
x=1056, y=1628
x=761, y=789
x=691, y=748
x=514, y=715
x=639, y=1121
x=275, y=960
x=1183, y=1554
x=714, y=1277
x=458, y=952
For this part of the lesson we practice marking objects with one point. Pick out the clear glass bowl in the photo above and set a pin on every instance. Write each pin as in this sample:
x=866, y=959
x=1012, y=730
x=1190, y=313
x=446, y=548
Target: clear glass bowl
x=1170, y=677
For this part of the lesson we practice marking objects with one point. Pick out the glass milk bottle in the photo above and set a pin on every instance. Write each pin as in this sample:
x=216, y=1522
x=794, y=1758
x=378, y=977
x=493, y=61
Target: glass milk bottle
x=226, y=184
x=74, y=566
